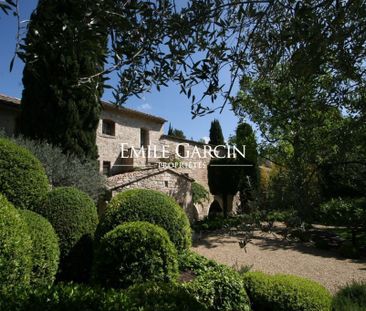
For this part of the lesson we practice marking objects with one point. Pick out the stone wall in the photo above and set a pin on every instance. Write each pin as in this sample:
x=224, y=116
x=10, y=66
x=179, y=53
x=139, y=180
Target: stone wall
x=127, y=130
x=8, y=118
x=166, y=181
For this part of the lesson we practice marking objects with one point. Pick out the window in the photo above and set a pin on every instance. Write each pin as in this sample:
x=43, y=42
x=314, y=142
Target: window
x=181, y=151
x=108, y=127
x=166, y=183
x=106, y=168
x=144, y=138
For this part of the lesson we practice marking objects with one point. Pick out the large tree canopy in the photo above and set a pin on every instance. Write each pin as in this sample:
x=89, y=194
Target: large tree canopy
x=316, y=42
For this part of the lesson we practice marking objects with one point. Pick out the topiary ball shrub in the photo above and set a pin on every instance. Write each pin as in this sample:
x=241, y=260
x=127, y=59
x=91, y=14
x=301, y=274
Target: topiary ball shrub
x=15, y=247
x=285, y=293
x=22, y=178
x=350, y=298
x=45, y=249
x=134, y=253
x=151, y=206
x=163, y=297
x=221, y=289
x=190, y=261
x=73, y=215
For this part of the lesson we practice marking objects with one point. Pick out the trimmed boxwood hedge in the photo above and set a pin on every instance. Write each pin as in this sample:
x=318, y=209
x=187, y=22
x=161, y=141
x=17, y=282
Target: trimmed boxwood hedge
x=22, y=178
x=73, y=297
x=285, y=293
x=73, y=215
x=133, y=253
x=350, y=298
x=15, y=247
x=45, y=249
x=220, y=289
x=163, y=297
x=151, y=206
x=61, y=297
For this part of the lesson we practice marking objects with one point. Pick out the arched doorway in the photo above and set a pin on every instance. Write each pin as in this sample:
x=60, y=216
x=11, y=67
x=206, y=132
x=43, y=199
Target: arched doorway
x=215, y=209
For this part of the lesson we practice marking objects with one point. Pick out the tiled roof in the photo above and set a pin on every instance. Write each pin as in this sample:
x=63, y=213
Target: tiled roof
x=10, y=101
x=15, y=102
x=125, y=179
x=133, y=112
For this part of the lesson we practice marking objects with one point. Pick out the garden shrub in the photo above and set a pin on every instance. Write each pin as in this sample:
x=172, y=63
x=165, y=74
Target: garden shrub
x=345, y=212
x=285, y=293
x=220, y=289
x=66, y=170
x=350, y=298
x=45, y=249
x=163, y=297
x=15, y=247
x=61, y=297
x=73, y=215
x=133, y=253
x=22, y=178
x=151, y=206
x=199, y=193
x=190, y=261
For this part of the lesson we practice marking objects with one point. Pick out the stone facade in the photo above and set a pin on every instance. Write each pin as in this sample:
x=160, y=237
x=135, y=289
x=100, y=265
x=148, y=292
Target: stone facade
x=178, y=186
x=119, y=125
x=9, y=111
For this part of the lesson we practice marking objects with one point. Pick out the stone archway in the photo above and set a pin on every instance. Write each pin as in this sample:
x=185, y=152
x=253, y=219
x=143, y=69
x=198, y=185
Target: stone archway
x=215, y=209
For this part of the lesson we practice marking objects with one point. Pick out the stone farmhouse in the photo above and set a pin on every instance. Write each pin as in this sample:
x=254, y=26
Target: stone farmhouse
x=126, y=168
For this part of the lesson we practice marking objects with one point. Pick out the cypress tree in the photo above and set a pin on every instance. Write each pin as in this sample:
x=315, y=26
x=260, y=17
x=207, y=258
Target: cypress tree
x=249, y=178
x=65, y=42
x=216, y=136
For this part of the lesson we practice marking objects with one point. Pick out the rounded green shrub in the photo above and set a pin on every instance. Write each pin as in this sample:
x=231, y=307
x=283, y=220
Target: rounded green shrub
x=151, y=206
x=45, y=249
x=163, y=297
x=220, y=288
x=73, y=215
x=15, y=247
x=190, y=261
x=350, y=298
x=22, y=178
x=133, y=253
x=285, y=293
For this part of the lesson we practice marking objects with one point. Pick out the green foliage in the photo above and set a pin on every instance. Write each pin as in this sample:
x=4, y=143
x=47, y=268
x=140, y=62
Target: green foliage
x=199, y=193
x=285, y=293
x=190, y=261
x=218, y=222
x=61, y=297
x=175, y=132
x=224, y=180
x=163, y=297
x=45, y=249
x=220, y=289
x=54, y=97
x=133, y=253
x=15, y=248
x=216, y=286
x=73, y=215
x=7, y=6
x=216, y=136
x=151, y=206
x=22, y=177
x=350, y=298
x=64, y=170
x=345, y=212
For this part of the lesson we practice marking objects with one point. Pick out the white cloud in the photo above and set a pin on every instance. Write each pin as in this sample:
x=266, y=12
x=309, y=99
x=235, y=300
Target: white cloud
x=206, y=139
x=144, y=106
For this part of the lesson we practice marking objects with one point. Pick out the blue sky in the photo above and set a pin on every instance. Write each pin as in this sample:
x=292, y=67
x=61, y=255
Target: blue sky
x=167, y=103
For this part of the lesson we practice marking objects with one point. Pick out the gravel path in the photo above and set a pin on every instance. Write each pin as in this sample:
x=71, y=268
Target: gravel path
x=268, y=253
